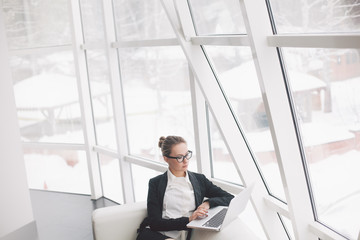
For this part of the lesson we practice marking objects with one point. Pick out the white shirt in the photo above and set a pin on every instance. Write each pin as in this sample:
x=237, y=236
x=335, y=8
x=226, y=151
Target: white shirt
x=179, y=201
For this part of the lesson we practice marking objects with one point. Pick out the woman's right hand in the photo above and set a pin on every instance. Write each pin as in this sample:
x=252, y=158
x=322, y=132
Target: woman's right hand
x=200, y=212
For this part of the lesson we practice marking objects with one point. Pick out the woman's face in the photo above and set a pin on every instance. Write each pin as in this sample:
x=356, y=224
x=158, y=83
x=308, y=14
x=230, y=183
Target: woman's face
x=178, y=150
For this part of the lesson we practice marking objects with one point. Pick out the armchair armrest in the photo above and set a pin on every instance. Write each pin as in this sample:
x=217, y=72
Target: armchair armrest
x=118, y=222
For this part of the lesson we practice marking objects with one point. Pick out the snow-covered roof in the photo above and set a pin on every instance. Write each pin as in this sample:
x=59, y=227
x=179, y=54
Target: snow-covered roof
x=241, y=83
x=49, y=90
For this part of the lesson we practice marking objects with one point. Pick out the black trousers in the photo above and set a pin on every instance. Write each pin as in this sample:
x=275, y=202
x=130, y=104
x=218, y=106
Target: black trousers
x=148, y=234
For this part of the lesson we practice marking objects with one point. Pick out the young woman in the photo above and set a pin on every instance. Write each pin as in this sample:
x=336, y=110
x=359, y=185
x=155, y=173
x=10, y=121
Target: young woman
x=178, y=196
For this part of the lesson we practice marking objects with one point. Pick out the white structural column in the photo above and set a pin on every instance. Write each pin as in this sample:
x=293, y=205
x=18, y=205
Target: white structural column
x=118, y=103
x=200, y=127
x=85, y=101
x=280, y=118
x=222, y=113
x=15, y=208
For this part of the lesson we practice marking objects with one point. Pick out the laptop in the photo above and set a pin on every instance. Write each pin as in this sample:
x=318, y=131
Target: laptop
x=221, y=216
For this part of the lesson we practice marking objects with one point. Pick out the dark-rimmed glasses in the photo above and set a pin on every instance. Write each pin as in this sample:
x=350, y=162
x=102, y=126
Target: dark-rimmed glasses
x=180, y=159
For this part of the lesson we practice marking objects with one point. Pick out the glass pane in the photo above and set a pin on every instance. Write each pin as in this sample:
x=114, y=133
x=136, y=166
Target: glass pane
x=222, y=164
x=325, y=84
x=57, y=170
x=98, y=70
x=110, y=178
x=288, y=226
x=321, y=16
x=217, y=17
x=249, y=218
x=237, y=75
x=37, y=23
x=157, y=98
x=92, y=20
x=141, y=20
x=141, y=177
x=46, y=96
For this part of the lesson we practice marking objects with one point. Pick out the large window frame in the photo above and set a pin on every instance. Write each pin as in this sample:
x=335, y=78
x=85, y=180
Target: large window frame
x=265, y=46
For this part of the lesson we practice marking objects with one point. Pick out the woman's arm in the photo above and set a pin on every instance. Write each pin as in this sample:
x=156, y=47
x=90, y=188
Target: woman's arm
x=216, y=196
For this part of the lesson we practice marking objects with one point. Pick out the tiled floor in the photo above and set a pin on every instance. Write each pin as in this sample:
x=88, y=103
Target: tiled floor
x=64, y=216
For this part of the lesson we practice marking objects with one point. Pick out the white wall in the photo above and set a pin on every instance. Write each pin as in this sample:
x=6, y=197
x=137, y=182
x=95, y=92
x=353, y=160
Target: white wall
x=15, y=205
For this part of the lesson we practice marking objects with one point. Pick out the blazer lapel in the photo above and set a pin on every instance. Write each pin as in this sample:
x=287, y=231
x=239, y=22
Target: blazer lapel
x=196, y=187
x=162, y=187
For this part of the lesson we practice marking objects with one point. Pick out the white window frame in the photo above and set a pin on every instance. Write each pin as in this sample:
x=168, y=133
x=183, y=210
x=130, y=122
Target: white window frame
x=85, y=100
x=223, y=115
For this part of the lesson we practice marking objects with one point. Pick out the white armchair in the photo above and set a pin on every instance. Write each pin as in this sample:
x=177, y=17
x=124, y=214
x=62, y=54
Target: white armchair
x=121, y=222
x=118, y=222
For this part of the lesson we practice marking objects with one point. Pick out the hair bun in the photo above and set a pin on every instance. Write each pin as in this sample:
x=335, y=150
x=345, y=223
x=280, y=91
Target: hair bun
x=161, y=141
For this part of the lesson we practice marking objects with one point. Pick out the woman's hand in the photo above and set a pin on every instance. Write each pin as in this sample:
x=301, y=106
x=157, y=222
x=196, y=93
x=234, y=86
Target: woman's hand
x=201, y=211
x=205, y=205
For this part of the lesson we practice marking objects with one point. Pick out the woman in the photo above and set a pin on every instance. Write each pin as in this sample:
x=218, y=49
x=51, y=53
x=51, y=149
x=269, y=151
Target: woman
x=177, y=197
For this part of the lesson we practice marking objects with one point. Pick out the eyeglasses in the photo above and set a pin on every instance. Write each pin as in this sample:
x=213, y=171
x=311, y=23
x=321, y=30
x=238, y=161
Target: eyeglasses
x=180, y=159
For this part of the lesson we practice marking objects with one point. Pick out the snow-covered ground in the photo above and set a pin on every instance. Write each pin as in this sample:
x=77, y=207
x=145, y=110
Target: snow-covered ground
x=50, y=171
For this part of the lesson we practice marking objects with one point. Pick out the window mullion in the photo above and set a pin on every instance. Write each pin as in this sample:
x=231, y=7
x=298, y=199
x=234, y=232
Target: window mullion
x=200, y=127
x=85, y=101
x=229, y=128
x=281, y=122
x=118, y=104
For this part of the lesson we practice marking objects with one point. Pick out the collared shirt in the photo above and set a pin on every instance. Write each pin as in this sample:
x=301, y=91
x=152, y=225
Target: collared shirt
x=179, y=201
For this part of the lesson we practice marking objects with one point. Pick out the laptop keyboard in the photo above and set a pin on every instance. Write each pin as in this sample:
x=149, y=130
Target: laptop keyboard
x=217, y=219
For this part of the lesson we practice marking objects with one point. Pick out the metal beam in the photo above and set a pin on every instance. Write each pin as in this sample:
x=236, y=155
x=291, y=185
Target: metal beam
x=223, y=40
x=145, y=43
x=315, y=41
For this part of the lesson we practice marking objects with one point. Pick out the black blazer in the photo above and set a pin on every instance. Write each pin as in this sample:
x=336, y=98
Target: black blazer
x=202, y=188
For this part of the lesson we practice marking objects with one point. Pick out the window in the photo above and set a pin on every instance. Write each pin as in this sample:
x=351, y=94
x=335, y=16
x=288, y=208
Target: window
x=110, y=178
x=46, y=97
x=323, y=16
x=141, y=177
x=40, y=23
x=227, y=20
x=327, y=104
x=141, y=20
x=157, y=98
x=222, y=164
x=92, y=20
x=287, y=225
x=98, y=72
x=236, y=73
x=57, y=170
